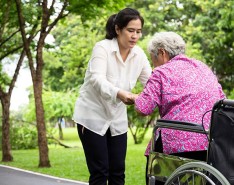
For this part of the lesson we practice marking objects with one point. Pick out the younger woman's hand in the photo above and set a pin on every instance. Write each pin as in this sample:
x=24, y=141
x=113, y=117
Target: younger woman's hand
x=126, y=97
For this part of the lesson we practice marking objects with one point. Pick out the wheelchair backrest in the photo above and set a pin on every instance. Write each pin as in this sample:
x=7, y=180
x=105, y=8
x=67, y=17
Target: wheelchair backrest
x=221, y=134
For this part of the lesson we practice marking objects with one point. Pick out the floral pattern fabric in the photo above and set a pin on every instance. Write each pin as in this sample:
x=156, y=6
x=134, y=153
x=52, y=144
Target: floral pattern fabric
x=183, y=89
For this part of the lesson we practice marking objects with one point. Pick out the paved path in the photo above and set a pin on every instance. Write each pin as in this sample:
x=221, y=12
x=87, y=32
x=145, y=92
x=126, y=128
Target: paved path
x=16, y=176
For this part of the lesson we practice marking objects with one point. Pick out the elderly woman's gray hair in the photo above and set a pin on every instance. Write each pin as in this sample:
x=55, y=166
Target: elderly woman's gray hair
x=170, y=41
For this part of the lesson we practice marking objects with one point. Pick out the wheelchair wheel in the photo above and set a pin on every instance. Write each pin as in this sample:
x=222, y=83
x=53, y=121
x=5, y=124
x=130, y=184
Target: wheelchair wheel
x=196, y=173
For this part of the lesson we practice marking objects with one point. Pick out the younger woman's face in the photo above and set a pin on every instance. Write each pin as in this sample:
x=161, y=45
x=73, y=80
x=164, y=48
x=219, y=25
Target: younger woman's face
x=129, y=35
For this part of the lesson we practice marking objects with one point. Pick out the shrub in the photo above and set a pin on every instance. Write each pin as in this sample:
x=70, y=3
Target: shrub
x=23, y=137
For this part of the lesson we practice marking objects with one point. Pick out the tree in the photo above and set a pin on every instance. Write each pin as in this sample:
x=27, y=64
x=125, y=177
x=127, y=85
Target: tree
x=11, y=46
x=43, y=14
x=5, y=101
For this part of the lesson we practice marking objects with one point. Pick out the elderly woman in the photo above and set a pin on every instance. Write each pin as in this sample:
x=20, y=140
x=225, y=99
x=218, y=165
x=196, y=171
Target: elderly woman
x=183, y=89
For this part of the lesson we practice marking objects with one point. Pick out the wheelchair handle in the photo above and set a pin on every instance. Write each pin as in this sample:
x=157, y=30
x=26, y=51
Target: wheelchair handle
x=180, y=125
x=177, y=125
x=228, y=102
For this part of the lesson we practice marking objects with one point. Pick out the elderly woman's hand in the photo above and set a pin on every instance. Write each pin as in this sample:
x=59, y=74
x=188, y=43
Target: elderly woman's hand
x=134, y=97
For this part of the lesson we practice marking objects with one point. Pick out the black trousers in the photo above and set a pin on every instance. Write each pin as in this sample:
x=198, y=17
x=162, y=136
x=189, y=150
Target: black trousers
x=197, y=155
x=105, y=156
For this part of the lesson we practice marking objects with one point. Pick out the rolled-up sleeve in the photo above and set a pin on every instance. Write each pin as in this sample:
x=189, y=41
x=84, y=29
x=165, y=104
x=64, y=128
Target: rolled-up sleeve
x=98, y=70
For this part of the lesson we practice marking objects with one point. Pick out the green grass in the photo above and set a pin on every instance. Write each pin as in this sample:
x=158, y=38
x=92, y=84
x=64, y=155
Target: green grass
x=70, y=162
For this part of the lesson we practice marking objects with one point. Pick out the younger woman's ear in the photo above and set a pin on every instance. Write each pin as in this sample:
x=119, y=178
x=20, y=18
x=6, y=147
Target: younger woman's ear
x=117, y=29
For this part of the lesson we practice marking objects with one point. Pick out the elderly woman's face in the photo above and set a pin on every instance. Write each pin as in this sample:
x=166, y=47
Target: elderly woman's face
x=162, y=58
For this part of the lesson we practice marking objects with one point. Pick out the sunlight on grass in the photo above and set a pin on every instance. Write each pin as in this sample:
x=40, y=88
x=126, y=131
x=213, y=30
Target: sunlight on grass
x=70, y=162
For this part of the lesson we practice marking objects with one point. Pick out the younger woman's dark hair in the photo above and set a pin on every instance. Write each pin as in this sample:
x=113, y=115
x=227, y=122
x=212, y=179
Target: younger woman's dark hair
x=121, y=20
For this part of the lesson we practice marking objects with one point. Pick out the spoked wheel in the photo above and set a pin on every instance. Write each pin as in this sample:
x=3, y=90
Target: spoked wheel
x=196, y=173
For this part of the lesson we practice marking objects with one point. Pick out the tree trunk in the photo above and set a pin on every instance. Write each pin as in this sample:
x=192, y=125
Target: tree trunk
x=5, y=100
x=60, y=128
x=6, y=146
x=60, y=131
x=41, y=127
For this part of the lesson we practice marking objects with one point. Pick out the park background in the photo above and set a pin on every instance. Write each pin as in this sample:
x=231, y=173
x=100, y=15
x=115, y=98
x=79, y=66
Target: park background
x=53, y=40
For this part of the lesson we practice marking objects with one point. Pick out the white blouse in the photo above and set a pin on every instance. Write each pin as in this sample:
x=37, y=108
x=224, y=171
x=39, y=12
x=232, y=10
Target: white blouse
x=97, y=107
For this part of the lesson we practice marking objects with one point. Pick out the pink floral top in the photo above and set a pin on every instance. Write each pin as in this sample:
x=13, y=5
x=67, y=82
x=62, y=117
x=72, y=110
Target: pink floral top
x=183, y=89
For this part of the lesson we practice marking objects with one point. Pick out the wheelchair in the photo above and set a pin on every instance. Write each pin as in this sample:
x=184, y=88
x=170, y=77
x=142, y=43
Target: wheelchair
x=218, y=169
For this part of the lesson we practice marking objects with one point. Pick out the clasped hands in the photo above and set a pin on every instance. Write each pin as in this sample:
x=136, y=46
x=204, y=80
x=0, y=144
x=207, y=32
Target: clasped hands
x=126, y=97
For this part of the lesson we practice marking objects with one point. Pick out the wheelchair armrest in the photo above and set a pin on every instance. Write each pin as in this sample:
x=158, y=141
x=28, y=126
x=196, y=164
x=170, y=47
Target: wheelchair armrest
x=180, y=125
